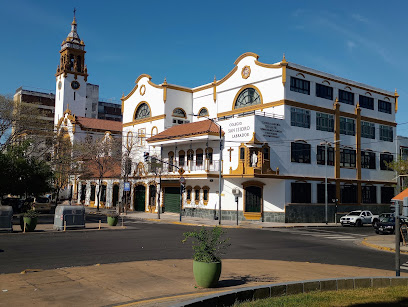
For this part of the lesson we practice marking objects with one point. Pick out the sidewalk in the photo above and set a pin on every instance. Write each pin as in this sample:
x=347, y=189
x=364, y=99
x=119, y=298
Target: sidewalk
x=174, y=218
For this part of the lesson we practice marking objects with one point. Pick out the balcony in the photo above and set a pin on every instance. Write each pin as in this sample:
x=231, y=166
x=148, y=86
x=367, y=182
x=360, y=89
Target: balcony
x=190, y=166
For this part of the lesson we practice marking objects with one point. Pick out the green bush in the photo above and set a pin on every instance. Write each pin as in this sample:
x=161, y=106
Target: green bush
x=31, y=213
x=112, y=214
x=207, y=244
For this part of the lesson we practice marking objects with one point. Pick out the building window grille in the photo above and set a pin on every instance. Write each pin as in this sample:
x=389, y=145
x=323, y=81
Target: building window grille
x=347, y=157
x=248, y=97
x=384, y=106
x=348, y=194
x=142, y=111
x=299, y=85
x=386, y=133
x=299, y=117
x=347, y=126
x=181, y=158
x=321, y=155
x=300, y=152
x=367, y=130
x=369, y=194
x=331, y=193
x=384, y=159
x=366, y=102
x=242, y=153
x=324, y=91
x=324, y=122
x=199, y=157
x=301, y=193
x=346, y=97
x=368, y=159
x=387, y=193
x=178, y=112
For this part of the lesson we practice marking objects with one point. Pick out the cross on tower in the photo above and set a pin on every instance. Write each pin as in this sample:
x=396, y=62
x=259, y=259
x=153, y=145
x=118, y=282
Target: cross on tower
x=74, y=12
x=230, y=151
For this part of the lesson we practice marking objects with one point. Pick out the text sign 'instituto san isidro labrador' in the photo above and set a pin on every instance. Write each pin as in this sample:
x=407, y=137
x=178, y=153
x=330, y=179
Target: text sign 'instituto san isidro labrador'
x=241, y=129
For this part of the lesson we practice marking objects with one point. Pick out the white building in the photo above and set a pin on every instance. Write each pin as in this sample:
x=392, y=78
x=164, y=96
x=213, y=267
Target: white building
x=275, y=120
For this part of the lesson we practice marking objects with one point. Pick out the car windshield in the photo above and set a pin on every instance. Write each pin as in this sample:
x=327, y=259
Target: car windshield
x=42, y=200
x=357, y=213
x=387, y=219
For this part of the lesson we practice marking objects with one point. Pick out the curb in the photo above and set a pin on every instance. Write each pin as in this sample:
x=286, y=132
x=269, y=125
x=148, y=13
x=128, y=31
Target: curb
x=379, y=247
x=229, y=298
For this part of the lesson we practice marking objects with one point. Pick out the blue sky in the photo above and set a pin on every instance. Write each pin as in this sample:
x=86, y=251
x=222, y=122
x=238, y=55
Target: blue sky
x=189, y=42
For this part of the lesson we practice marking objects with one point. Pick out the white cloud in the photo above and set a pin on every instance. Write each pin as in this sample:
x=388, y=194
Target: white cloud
x=360, y=18
x=350, y=45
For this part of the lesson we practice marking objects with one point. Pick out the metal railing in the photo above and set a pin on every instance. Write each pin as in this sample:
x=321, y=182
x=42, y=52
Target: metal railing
x=249, y=113
x=190, y=166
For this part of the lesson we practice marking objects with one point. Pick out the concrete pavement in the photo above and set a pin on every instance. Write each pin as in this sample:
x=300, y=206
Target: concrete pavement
x=160, y=283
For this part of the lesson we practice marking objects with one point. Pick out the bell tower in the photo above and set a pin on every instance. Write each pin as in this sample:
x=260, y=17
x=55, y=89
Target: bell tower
x=71, y=76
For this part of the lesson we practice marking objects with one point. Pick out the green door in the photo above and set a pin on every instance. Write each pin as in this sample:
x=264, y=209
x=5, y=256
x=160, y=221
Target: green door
x=172, y=199
x=139, y=198
x=253, y=197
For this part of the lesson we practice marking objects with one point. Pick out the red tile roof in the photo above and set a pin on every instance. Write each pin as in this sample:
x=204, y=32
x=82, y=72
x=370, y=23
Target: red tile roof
x=186, y=130
x=99, y=124
x=401, y=195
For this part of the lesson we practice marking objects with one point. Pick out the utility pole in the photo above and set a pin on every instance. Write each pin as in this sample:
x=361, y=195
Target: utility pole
x=397, y=239
x=219, y=179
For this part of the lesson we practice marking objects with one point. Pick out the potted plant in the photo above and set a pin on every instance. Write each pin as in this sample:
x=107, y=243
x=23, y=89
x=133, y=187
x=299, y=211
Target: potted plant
x=29, y=220
x=208, y=248
x=113, y=218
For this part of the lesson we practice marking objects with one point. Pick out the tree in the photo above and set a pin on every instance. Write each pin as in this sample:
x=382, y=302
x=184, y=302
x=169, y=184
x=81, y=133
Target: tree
x=400, y=166
x=98, y=158
x=22, y=121
x=23, y=174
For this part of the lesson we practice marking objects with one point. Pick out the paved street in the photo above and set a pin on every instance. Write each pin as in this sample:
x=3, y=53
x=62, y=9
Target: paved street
x=153, y=241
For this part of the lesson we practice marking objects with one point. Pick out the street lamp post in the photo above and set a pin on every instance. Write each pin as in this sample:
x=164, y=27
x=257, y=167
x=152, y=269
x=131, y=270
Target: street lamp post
x=219, y=179
x=326, y=218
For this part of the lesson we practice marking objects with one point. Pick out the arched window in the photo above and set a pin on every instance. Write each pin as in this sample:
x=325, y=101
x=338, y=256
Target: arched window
x=209, y=154
x=206, y=196
x=142, y=111
x=171, y=161
x=197, y=194
x=188, y=194
x=247, y=97
x=182, y=155
x=199, y=157
x=203, y=112
x=154, y=131
x=179, y=112
x=190, y=155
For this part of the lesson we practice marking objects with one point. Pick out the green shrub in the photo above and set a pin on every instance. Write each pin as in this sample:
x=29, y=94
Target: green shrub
x=31, y=213
x=112, y=214
x=207, y=244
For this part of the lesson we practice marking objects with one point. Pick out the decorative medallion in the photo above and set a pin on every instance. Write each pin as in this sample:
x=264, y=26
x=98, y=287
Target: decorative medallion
x=246, y=72
x=75, y=85
x=59, y=85
x=142, y=90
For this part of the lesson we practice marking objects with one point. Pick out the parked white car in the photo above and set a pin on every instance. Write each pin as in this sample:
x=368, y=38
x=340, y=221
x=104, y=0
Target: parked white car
x=356, y=218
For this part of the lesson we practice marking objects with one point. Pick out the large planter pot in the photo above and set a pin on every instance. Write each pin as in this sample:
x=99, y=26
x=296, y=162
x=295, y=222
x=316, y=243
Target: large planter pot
x=207, y=274
x=112, y=221
x=30, y=223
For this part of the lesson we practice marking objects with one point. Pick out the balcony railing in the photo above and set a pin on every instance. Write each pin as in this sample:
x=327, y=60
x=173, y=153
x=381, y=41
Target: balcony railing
x=190, y=166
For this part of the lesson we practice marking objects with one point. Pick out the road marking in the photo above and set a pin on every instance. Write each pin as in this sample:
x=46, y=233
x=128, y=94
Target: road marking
x=321, y=233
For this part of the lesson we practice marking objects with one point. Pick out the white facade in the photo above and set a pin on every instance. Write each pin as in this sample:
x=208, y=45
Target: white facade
x=264, y=108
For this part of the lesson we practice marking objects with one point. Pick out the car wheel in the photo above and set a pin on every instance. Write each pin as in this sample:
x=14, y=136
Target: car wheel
x=377, y=231
x=343, y=225
x=375, y=224
x=358, y=223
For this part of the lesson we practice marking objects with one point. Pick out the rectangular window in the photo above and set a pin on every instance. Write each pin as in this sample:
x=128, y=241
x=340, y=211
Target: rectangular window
x=301, y=193
x=387, y=193
x=346, y=97
x=331, y=193
x=324, y=91
x=386, y=133
x=242, y=153
x=321, y=155
x=324, y=122
x=404, y=153
x=189, y=194
x=347, y=157
x=368, y=159
x=347, y=126
x=386, y=158
x=196, y=195
x=366, y=102
x=266, y=153
x=299, y=117
x=384, y=106
x=299, y=85
x=205, y=195
x=367, y=130
x=369, y=194
x=348, y=194
x=300, y=152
